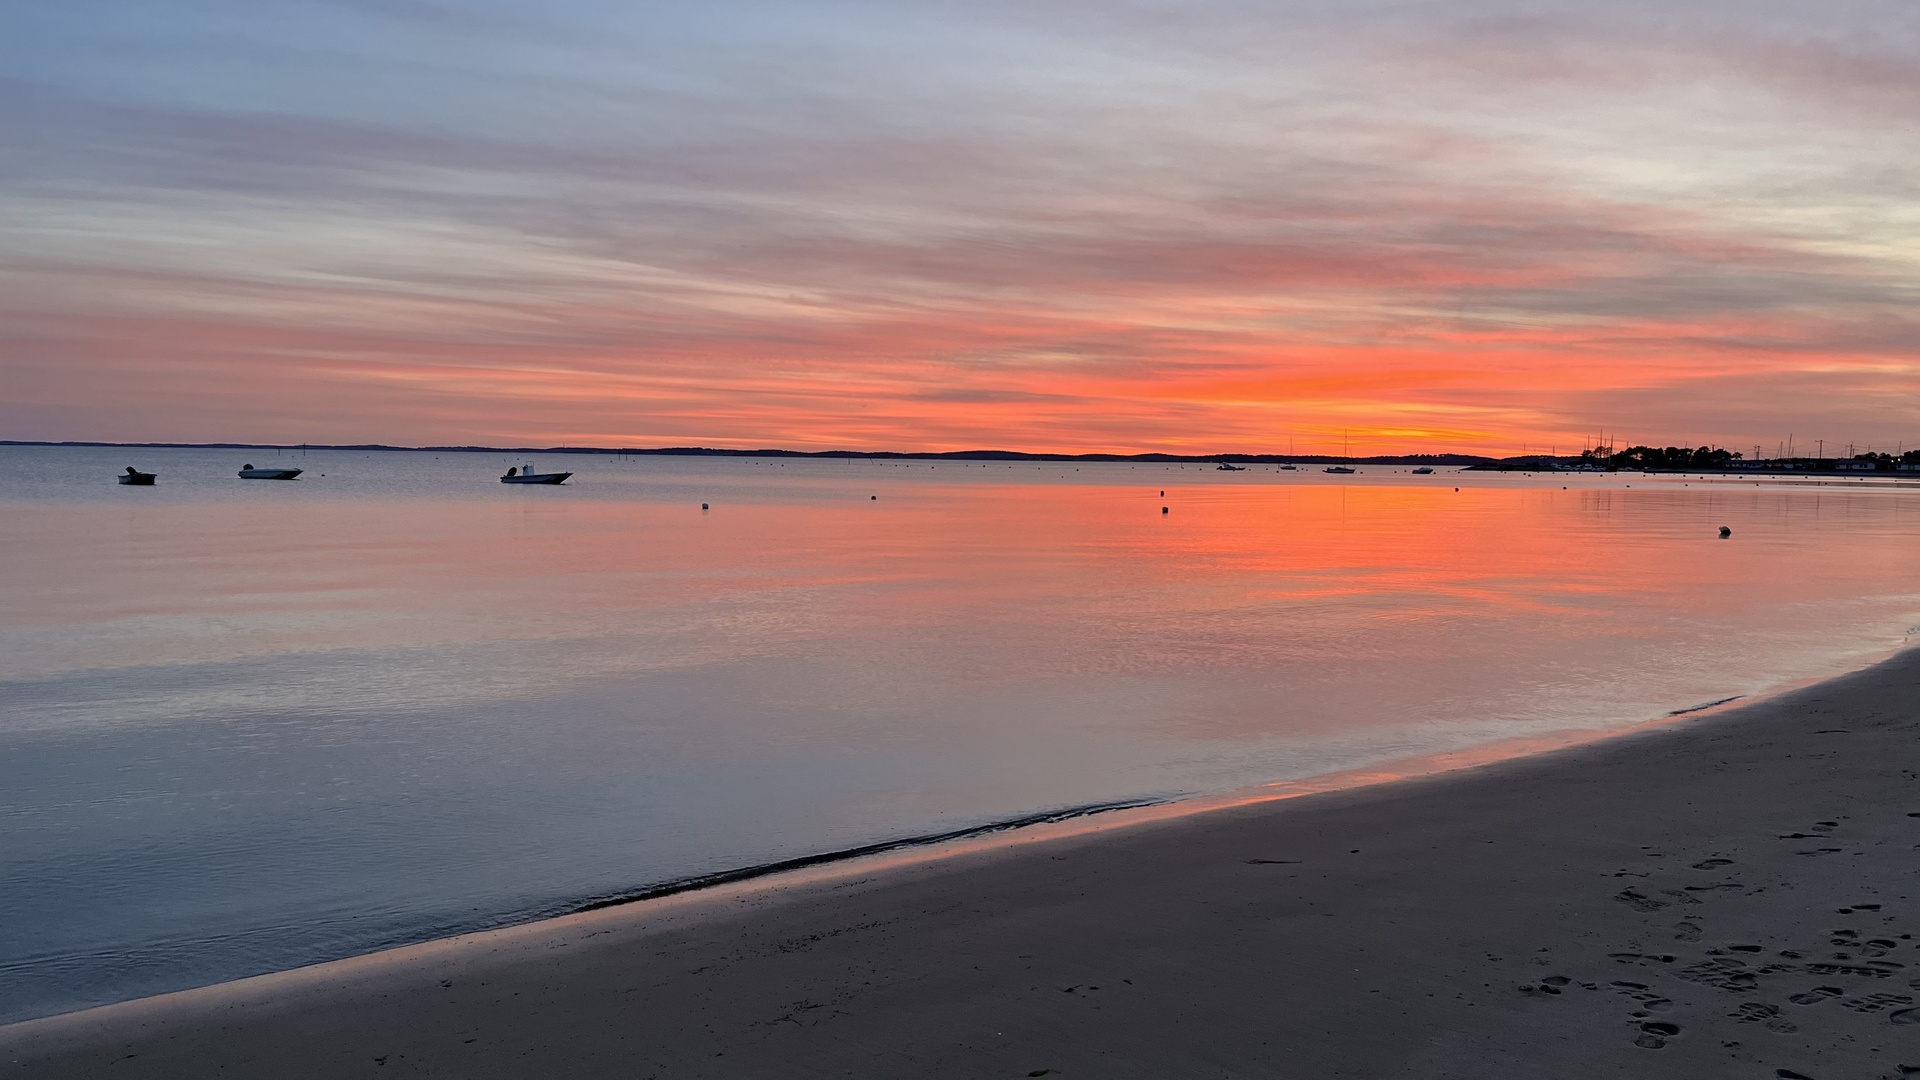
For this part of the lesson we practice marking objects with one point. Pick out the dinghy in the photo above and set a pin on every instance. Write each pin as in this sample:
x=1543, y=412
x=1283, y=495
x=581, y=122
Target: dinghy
x=137, y=478
x=251, y=473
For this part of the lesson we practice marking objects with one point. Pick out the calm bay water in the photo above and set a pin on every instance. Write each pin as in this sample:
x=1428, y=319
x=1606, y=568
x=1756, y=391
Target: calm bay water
x=247, y=725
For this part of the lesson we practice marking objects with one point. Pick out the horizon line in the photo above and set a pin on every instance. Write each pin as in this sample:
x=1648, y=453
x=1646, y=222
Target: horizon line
x=707, y=451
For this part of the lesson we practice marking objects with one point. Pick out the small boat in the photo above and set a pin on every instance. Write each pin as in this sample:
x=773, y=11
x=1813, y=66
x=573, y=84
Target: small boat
x=1289, y=468
x=1338, y=469
x=528, y=476
x=1423, y=471
x=137, y=478
x=1224, y=467
x=251, y=473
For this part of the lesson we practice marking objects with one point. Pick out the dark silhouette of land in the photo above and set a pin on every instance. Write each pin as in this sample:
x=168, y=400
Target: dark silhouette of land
x=1705, y=459
x=1632, y=459
x=706, y=451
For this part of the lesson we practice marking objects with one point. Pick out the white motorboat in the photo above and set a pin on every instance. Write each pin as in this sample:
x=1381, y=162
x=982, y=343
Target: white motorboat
x=528, y=476
x=1338, y=469
x=251, y=473
x=1423, y=471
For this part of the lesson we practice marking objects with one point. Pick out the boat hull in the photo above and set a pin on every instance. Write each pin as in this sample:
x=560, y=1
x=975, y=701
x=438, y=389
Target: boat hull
x=144, y=479
x=537, y=478
x=270, y=474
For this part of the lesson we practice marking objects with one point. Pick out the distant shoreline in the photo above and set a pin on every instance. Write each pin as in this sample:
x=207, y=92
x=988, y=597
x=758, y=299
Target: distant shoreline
x=703, y=451
x=1475, y=462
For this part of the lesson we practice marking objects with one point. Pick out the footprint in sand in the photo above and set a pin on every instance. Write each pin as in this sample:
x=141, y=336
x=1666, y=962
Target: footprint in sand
x=1655, y=1033
x=1869, y=972
x=1754, y=1012
x=1649, y=999
x=1905, y=1016
x=1873, y=1003
x=1638, y=900
x=1816, y=995
x=1709, y=864
x=1723, y=972
x=1639, y=958
x=1553, y=984
x=1686, y=931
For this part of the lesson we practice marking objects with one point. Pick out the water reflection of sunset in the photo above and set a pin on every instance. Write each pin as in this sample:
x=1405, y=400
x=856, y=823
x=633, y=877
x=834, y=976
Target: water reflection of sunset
x=440, y=688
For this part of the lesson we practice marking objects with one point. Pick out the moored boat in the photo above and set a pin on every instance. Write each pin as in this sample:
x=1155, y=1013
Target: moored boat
x=528, y=476
x=1338, y=469
x=1423, y=471
x=251, y=473
x=137, y=478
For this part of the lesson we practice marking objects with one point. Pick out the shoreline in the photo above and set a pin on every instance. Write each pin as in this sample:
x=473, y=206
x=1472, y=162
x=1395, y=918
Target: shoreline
x=1037, y=827
x=913, y=923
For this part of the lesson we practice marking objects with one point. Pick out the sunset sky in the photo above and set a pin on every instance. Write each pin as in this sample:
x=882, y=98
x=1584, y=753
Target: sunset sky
x=1054, y=225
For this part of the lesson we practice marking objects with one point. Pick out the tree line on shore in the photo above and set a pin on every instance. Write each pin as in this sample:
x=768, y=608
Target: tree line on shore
x=1708, y=457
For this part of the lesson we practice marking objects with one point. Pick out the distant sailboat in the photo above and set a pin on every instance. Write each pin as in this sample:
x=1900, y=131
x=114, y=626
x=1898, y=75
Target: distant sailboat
x=1345, y=452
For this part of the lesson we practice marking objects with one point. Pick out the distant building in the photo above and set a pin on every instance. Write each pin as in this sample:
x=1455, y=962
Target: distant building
x=1857, y=466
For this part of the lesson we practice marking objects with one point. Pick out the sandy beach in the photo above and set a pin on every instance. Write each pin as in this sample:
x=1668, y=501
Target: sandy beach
x=1728, y=895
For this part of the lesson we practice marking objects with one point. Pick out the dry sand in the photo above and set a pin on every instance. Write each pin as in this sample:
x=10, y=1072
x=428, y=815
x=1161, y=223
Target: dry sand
x=1723, y=896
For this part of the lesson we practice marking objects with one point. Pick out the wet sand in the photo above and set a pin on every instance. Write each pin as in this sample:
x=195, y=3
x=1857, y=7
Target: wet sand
x=1728, y=895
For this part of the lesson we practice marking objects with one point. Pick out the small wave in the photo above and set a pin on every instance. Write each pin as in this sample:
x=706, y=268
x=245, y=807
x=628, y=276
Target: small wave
x=726, y=877
x=1708, y=705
